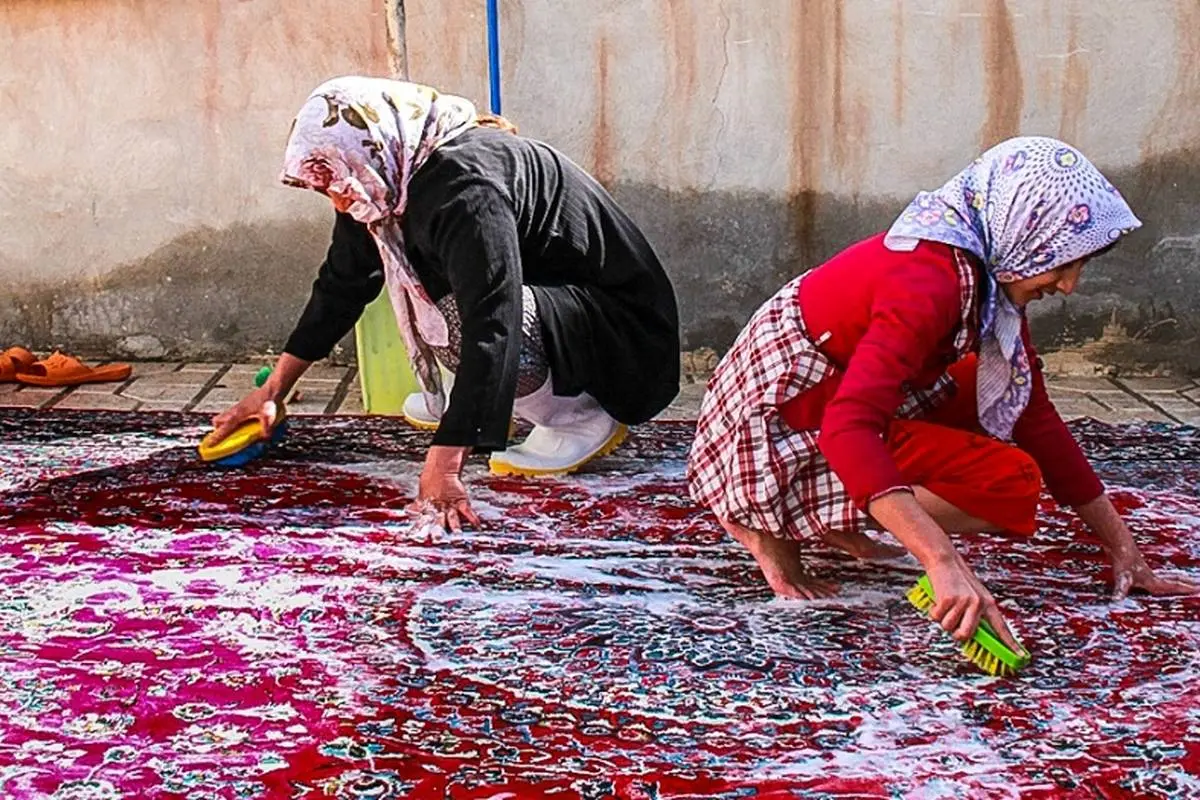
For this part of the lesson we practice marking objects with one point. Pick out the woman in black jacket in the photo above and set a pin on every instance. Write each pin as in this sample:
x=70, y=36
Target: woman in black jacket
x=503, y=260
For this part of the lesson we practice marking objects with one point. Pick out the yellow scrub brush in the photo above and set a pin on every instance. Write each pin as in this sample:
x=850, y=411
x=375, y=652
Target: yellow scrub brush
x=984, y=649
x=248, y=441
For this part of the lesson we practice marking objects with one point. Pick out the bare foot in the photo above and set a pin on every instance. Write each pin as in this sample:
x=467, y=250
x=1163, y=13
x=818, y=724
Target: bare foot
x=862, y=546
x=780, y=562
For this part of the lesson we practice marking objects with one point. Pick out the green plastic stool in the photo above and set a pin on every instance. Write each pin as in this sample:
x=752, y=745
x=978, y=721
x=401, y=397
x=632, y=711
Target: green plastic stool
x=384, y=372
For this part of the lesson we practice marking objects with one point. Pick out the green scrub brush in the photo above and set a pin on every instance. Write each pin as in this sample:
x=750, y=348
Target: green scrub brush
x=984, y=649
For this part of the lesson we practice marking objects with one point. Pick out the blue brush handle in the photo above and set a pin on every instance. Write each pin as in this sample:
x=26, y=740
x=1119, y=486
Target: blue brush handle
x=493, y=32
x=254, y=451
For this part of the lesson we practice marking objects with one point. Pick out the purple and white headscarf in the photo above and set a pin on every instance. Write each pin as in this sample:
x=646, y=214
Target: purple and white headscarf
x=1027, y=206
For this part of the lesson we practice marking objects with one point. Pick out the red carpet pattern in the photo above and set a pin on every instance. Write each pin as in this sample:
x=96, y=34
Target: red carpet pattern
x=172, y=631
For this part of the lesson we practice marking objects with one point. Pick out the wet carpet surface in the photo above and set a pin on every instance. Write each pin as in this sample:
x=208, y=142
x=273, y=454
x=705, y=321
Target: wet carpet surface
x=284, y=630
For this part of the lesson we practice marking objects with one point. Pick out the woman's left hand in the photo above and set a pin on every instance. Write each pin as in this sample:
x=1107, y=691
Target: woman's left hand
x=1130, y=571
x=441, y=490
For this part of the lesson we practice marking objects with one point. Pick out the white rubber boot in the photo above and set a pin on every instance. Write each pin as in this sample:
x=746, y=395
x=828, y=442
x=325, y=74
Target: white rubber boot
x=568, y=433
x=416, y=411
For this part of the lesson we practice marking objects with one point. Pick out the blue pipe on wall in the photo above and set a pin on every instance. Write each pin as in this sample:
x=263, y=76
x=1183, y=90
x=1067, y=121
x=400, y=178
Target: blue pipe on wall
x=493, y=31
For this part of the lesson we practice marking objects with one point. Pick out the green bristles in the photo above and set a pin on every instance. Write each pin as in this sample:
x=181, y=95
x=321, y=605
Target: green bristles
x=984, y=650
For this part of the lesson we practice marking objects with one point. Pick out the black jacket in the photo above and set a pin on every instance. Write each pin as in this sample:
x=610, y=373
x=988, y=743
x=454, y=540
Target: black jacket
x=488, y=212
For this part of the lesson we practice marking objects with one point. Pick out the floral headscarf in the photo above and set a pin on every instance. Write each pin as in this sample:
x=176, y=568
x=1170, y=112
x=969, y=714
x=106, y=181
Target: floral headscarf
x=1027, y=206
x=360, y=140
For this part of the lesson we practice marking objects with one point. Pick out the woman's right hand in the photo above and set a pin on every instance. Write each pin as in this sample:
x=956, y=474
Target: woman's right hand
x=263, y=403
x=961, y=601
x=260, y=404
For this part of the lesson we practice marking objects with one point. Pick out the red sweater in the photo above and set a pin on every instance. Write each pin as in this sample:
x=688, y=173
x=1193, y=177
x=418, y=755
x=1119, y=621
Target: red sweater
x=891, y=319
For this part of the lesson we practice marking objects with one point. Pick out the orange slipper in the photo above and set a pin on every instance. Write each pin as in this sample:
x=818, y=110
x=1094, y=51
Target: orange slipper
x=63, y=370
x=14, y=361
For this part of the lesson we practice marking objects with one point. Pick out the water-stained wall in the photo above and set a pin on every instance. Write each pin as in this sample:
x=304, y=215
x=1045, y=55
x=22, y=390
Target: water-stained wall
x=750, y=139
x=754, y=139
x=140, y=209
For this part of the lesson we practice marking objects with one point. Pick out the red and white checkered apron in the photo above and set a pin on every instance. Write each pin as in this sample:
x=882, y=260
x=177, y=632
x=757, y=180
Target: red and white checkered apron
x=747, y=464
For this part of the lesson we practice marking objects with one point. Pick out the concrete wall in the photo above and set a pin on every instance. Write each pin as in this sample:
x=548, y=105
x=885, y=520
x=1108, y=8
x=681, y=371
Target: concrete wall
x=750, y=138
x=753, y=139
x=140, y=208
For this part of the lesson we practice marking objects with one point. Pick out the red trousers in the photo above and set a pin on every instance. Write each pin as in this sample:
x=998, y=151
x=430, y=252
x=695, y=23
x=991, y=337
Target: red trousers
x=949, y=455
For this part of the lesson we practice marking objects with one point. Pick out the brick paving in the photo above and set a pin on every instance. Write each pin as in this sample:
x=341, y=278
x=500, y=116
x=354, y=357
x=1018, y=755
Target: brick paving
x=330, y=389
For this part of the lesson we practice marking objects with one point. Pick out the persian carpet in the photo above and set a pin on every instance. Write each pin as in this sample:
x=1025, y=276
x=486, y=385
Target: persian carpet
x=169, y=630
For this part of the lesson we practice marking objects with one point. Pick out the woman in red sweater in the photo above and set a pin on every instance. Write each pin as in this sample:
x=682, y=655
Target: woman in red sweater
x=896, y=386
